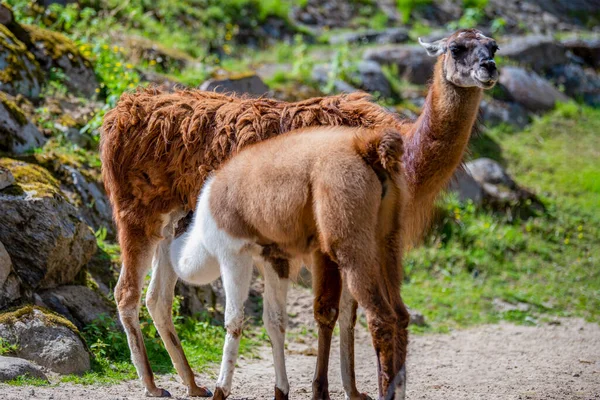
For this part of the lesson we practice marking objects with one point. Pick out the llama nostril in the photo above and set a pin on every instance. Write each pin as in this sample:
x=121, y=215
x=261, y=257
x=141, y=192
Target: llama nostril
x=488, y=64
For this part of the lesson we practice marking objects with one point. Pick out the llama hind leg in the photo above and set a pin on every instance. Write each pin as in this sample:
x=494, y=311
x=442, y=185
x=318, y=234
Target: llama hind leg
x=275, y=320
x=327, y=288
x=347, y=321
x=159, y=300
x=237, y=274
x=136, y=249
x=365, y=284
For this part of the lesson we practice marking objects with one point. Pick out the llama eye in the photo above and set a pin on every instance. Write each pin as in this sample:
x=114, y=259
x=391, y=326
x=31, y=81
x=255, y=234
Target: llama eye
x=457, y=50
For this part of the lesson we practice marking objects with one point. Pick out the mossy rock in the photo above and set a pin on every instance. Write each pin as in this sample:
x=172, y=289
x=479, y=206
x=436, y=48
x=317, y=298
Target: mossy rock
x=142, y=50
x=42, y=231
x=20, y=73
x=46, y=338
x=55, y=50
x=32, y=178
x=17, y=134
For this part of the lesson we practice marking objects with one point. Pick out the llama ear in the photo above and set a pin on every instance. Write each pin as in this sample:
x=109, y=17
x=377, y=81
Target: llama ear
x=436, y=48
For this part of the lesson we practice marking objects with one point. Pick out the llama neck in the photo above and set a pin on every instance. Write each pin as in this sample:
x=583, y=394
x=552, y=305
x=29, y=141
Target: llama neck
x=435, y=144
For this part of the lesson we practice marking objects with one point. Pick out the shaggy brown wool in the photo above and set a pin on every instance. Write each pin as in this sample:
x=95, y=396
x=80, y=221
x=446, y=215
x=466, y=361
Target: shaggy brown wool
x=158, y=147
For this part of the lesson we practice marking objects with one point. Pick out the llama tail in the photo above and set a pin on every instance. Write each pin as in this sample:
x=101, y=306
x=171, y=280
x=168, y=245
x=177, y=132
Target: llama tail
x=381, y=148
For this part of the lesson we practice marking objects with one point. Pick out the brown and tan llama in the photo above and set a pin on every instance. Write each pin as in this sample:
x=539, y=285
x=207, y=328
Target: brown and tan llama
x=331, y=192
x=155, y=146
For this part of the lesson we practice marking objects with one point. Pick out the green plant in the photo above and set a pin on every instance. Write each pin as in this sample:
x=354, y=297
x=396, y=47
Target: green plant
x=7, y=348
x=479, y=4
x=471, y=18
x=498, y=25
x=406, y=7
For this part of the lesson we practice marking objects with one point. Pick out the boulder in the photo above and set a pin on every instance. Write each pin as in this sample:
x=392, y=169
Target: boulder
x=47, y=241
x=416, y=318
x=87, y=195
x=20, y=73
x=577, y=82
x=142, y=50
x=496, y=112
x=536, y=51
x=387, y=36
x=54, y=50
x=370, y=78
x=10, y=287
x=46, y=339
x=466, y=187
x=530, y=90
x=17, y=133
x=322, y=75
x=79, y=304
x=588, y=50
x=250, y=84
x=13, y=368
x=485, y=182
x=6, y=178
x=414, y=65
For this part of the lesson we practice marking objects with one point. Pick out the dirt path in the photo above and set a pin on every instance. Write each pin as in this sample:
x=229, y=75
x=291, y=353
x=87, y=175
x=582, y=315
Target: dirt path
x=490, y=362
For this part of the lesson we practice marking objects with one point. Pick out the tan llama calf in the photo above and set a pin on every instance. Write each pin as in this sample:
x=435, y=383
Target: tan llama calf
x=334, y=193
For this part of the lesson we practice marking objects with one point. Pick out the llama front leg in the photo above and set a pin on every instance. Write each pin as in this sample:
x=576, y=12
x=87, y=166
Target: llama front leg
x=159, y=300
x=327, y=288
x=275, y=320
x=237, y=274
x=347, y=321
x=136, y=250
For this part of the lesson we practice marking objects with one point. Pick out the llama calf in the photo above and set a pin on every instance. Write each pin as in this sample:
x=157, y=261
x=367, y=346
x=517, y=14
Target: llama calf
x=334, y=193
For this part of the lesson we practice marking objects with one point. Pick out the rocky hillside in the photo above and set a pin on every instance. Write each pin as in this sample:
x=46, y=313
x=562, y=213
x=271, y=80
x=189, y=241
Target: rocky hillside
x=63, y=64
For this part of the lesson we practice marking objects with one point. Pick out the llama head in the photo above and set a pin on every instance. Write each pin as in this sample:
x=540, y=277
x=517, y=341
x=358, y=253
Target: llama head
x=468, y=58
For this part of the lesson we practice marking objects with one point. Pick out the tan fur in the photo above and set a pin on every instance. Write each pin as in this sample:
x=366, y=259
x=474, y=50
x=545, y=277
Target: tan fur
x=337, y=193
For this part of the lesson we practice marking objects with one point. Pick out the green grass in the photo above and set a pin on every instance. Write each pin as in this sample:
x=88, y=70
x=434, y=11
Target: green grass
x=548, y=262
x=202, y=340
x=27, y=380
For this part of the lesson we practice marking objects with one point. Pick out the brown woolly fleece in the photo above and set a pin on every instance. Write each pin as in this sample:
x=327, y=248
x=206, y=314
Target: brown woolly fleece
x=157, y=147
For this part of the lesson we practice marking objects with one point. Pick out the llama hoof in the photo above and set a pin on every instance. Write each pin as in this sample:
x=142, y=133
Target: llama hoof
x=359, y=396
x=279, y=394
x=219, y=394
x=199, y=391
x=157, y=392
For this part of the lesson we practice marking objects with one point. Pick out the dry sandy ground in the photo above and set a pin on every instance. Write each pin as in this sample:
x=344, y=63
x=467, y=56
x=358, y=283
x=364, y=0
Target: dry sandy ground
x=489, y=362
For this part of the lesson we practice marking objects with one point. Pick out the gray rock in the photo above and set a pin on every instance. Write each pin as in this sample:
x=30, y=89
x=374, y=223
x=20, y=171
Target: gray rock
x=94, y=205
x=391, y=35
x=495, y=112
x=10, y=287
x=80, y=304
x=54, y=50
x=251, y=85
x=577, y=82
x=6, y=178
x=370, y=78
x=536, y=51
x=41, y=230
x=466, y=187
x=321, y=74
x=414, y=65
x=20, y=73
x=530, y=90
x=12, y=368
x=587, y=50
x=17, y=133
x=46, y=340
x=484, y=181
x=416, y=318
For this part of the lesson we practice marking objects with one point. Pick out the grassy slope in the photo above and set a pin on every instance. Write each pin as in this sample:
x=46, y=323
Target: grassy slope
x=549, y=262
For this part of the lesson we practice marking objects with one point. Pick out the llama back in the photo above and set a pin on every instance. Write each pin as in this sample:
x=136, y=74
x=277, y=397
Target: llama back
x=158, y=147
